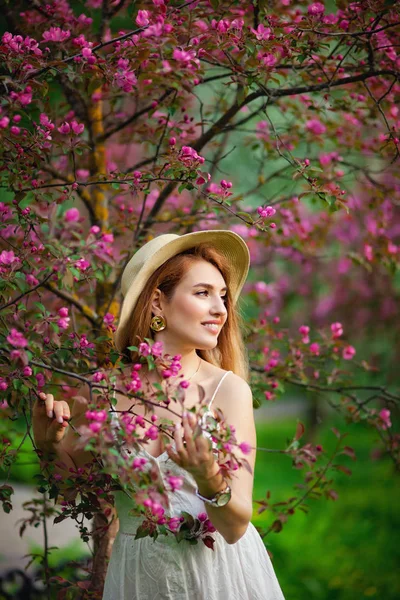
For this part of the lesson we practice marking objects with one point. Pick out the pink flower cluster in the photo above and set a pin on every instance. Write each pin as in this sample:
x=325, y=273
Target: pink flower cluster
x=348, y=352
x=7, y=258
x=17, y=339
x=189, y=157
x=20, y=45
x=305, y=330
x=97, y=417
x=24, y=97
x=266, y=212
x=262, y=32
x=316, y=8
x=142, y=18
x=173, y=368
x=385, y=416
x=82, y=265
x=315, y=126
x=337, y=330
x=187, y=57
x=220, y=190
x=156, y=349
x=72, y=215
x=175, y=482
x=73, y=126
x=124, y=77
x=55, y=34
x=64, y=321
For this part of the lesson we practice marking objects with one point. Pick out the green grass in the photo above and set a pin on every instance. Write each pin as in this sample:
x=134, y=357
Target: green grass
x=341, y=550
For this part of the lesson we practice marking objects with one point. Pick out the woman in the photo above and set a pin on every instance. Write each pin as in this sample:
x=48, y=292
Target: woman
x=183, y=289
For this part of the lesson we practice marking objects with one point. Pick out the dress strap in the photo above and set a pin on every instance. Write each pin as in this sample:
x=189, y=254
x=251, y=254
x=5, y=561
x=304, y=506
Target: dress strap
x=217, y=388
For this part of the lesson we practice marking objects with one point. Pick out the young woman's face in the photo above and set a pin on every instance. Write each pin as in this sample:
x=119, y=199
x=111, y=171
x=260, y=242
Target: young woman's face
x=200, y=297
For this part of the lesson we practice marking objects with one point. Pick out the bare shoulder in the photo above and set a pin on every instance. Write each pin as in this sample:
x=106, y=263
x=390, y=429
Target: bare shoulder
x=234, y=391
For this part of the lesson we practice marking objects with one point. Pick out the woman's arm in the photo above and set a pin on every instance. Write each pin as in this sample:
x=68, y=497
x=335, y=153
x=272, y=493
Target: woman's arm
x=236, y=402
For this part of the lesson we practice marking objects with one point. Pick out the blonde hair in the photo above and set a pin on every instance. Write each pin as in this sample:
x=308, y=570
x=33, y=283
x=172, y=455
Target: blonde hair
x=230, y=353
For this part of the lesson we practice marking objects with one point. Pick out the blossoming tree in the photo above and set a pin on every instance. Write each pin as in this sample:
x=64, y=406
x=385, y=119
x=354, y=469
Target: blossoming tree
x=275, y=119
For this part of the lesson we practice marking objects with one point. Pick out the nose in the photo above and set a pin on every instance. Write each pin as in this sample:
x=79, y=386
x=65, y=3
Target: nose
x=219, y=306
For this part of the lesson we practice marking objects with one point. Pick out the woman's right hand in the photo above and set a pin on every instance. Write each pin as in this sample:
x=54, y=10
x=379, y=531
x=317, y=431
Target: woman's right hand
x=49, y=420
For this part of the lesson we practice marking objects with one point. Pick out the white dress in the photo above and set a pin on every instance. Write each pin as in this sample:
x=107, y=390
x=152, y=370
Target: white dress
x=163, y=569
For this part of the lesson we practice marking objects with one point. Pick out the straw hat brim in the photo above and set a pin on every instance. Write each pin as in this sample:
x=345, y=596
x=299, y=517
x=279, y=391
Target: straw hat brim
x=229, y=244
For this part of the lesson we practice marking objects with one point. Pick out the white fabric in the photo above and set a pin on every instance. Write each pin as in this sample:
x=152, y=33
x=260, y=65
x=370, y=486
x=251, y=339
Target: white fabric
x=145, y=569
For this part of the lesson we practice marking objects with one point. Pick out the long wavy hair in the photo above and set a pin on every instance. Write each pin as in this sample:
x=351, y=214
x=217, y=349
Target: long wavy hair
x=230, y=353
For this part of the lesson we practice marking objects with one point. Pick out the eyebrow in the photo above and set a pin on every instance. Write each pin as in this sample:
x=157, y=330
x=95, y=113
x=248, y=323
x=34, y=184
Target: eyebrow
x=209, y=286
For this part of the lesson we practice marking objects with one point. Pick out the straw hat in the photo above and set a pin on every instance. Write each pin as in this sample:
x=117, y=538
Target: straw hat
x=163, y=247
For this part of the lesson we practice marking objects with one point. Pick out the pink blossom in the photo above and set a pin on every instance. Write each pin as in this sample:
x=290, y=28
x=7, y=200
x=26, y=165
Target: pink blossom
x=31, y=279
x=385, y=416
x=27, y=371
x=64, y=128
x=316, y=8
x=4, y=121
x=55, y=34
x=348, y=352
x=3, y=385
x=82, y=264
x=144, y=349
x=314, y=348
x=95, y=427
x=108, y=237
x=304, y=330
x=157, y=349
x=63, y=312
x=16, y=339
x=262, y=32
x=337, y=330
x=184, y=384
x=266, y=212
x=174, y=522
x=157, y=509
x=72, y=215
x=268, y=59
x=125, y=80
x=368, y=252
x=183, y=55
x=175, y=482
x=15, y=130
x=152, y=432
x=245, y=447
x=142, y=19
x=315, y=126
x=261, y=287
x=392, y=248
x=63, y=323
x=139, y=463
x=108, y=318
x=7, y=257
x=77, y=128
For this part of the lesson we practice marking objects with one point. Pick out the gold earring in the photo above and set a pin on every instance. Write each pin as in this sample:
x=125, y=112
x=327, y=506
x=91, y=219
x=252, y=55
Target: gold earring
x=157, y=323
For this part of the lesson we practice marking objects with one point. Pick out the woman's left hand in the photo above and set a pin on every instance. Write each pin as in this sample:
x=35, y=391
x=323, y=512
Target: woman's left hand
x=193, y=450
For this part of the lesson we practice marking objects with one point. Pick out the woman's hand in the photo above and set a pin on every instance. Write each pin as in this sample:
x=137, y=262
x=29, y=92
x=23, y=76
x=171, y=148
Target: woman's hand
x=49, y=420
x=193, y=450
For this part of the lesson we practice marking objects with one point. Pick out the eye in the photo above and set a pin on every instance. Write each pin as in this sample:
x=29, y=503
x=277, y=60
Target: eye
x=224, y=298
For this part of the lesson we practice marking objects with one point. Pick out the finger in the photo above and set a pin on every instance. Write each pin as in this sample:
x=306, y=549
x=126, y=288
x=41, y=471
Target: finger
x=180, y=450
x=49, y=405
x=188, y=434
x=60, y=411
